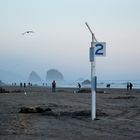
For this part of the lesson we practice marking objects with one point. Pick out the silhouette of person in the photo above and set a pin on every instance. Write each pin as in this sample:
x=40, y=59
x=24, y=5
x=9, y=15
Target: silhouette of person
x=20, y=84
x=130, y=85
x=24, y=85
x=108, y=85
x=29, y=84
x=53, y=86
x=79, y=86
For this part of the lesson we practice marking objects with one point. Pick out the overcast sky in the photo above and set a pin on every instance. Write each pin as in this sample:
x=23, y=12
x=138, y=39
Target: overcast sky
x=62, y=40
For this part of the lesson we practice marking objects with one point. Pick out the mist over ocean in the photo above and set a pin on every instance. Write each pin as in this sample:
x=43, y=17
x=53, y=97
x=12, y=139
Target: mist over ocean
x=103, y=83
x=74, y=83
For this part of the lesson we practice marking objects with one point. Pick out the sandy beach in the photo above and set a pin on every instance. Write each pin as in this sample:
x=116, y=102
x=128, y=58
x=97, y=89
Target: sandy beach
x=118, y=114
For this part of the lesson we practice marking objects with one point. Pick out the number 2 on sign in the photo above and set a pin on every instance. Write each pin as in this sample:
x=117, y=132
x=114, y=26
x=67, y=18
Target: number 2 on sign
x=99, y=48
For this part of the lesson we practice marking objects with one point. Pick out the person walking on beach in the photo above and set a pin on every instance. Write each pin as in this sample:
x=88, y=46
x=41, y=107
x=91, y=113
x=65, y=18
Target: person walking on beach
x=130, y=85
x=53, y=86
x=20, y=84
x=79, y=86
x=24, y=85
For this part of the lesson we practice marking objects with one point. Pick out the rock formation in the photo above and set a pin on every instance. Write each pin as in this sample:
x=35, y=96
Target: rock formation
x=86, y=82
x=33, y=110
x=34, y=77
x=54, y=74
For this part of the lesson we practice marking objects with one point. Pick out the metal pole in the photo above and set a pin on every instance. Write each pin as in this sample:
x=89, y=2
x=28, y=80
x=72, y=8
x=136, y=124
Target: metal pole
x=93, y=78
x=93, y=84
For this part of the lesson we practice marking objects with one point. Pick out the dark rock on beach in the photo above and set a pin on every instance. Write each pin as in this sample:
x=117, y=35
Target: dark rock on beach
x=2, y=90
x=33, y=110
x=84, y=91
x=124, y=97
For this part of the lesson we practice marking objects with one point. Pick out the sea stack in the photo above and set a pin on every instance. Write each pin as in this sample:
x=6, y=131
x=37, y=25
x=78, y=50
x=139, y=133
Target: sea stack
x=86, y=82
x=54, y=74
x=34, y=77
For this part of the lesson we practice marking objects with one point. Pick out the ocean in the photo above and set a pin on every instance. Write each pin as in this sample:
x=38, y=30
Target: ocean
x=103, y=83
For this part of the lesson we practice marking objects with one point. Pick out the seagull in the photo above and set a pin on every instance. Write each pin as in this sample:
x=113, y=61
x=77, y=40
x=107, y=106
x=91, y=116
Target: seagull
x=27, y=32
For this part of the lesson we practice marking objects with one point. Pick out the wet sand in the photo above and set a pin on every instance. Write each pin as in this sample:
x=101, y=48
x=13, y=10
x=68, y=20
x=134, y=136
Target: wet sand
x=121, y=122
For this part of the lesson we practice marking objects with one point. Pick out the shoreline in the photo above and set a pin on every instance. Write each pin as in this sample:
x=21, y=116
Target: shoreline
x=9, y=87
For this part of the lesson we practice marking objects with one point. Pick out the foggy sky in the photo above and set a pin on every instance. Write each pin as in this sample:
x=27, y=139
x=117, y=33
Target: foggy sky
x=61, y=39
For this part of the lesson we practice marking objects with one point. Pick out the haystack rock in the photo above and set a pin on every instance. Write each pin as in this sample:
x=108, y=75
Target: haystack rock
x=54, y=74
x=86, y=82
x=34, y=77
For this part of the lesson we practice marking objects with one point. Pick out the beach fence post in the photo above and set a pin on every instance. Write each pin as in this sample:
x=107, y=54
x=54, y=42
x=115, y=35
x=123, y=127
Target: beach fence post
x=93, y=77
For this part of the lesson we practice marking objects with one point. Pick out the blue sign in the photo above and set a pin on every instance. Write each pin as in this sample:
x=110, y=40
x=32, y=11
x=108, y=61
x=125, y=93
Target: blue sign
x=91, y=54
x=94, y=83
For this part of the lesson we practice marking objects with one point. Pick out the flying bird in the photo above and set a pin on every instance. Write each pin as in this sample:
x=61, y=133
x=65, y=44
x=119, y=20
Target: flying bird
x=27, y=32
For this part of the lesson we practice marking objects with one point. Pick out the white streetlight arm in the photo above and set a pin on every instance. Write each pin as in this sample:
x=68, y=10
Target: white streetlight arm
x=93, y=36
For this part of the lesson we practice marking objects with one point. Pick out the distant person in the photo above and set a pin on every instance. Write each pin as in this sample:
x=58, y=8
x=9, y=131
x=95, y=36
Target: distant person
x=53, y=86
x=79, y=86
x=108, y=85
x=130, y=85
x=24, y=85
x=20, y=84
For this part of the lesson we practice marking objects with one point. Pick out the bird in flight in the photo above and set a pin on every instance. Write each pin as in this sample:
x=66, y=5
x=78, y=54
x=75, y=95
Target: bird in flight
x=27, y=32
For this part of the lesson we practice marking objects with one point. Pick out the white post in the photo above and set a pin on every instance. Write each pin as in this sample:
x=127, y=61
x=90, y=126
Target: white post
x=93, y=78
x=93, y=84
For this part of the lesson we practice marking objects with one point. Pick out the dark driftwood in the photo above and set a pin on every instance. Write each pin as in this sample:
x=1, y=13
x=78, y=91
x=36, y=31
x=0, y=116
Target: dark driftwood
x=124, y=97
x=50, y=112
x=33, y=110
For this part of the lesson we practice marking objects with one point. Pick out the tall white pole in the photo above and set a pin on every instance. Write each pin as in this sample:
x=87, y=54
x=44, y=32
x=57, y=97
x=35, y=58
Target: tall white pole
x=93, y=78
x=93, y=84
